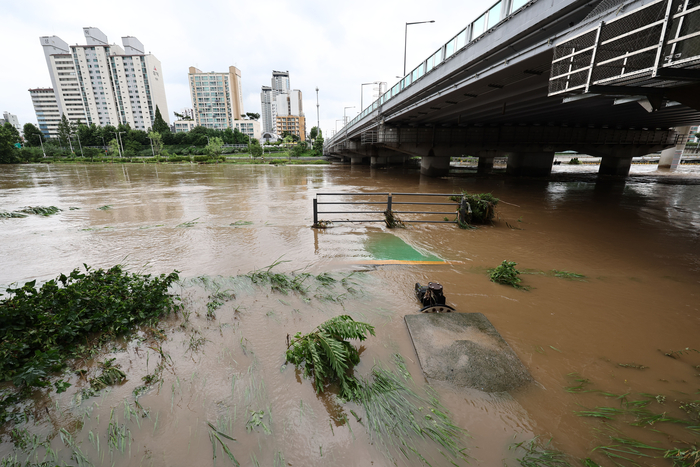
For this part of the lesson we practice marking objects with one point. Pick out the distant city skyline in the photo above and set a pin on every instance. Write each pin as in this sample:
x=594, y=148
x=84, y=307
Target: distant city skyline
x=328, y=40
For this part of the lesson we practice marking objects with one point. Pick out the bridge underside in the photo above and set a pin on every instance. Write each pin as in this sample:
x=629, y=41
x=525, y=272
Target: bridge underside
x=529, y=148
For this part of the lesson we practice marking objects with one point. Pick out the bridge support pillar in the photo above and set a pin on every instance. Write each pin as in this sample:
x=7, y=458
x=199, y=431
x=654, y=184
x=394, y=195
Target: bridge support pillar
x=615, y=166
x=434, y=166
x=356, y=160
x=671, y=157
x=530, y=164
x=378, y=162
x=485, y=165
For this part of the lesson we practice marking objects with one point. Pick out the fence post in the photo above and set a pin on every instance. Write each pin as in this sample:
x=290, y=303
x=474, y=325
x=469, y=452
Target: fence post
x=315, y=212
x=388, y=203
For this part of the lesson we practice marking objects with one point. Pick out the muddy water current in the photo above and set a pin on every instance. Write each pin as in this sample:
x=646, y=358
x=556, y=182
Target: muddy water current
x=627, y=331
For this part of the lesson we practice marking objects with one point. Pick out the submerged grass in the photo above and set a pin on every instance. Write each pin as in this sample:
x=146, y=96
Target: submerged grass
x=623, y=450
x=535, y=453
x=397, y=415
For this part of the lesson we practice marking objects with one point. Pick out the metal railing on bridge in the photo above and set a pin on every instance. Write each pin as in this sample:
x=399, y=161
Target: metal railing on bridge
x=641, y=48
x=388, y=202
x=495, y=15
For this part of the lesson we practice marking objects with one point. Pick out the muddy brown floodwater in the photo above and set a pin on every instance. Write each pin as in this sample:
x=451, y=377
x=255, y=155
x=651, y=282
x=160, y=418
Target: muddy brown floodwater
x=636, y=242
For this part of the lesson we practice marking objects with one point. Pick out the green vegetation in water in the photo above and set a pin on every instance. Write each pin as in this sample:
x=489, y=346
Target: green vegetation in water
x=110, y=376
x=574, y=161
x=11, y=215
x=395, y=413
x=481, y=208
x=538, y=454
x=506, y=274
x=567, y=275
x=392, y=220
x=217, y=435
x=41, y=328
x=40, y=210
x=279, y=281
x=650, y=412
x=240, y=223
x=191, y=223
x=105, y=207
x=326, y=355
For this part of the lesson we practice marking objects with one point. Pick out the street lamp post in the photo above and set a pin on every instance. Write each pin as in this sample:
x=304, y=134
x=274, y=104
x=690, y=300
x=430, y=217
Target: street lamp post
x=80, y=145
x=119, y=148
x=41, y=138
x=120, y=142
x=345, y=119
x=405, y=40
x=362, y=95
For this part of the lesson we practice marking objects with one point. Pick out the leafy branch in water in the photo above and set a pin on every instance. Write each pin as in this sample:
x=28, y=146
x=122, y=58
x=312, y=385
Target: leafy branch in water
x=42, y=327
x=326, y=355
x=481, y=207
x=395, y=413
x=506, y=274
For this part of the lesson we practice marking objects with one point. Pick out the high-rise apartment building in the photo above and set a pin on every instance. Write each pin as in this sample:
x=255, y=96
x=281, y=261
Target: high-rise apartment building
x=268, y=109
x=290, y=114
x=279, y=100
x=104, y=83
x=46, y=109
x=280, y=81
x=217, y=98
x=12, y=119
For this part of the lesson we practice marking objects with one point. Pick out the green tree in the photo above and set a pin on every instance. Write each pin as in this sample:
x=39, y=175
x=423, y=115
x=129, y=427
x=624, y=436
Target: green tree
x=9, y=154
x=16, y=138
x=252, y=115
x=318, y=145
x=156, y=140
x=32, y=135
x=65, y=131
x=314, y=133
x=113, y=146
x=213, y=149
x=159, y=125
x=255, y=148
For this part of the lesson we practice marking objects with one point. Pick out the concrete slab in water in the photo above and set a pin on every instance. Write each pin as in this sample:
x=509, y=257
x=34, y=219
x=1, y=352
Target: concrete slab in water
x=465, y=350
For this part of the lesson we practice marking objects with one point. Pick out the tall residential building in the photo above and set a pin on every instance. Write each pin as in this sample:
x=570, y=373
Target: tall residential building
x=280, y=81
x=64, y=78
x=106, y=84
x=290, y=114
x=12, y=120
x=217, y=98
x=268, y=109
x=46, y=109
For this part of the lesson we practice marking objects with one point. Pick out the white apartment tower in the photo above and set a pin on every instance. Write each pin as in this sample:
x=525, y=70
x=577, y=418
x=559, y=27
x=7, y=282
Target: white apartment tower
x=268, y=108
x=46, y=109
x=104, y=83
x=217, y=98
x=268, y=99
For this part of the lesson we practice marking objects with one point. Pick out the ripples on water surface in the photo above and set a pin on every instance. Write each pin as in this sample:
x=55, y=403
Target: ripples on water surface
x=635, y=241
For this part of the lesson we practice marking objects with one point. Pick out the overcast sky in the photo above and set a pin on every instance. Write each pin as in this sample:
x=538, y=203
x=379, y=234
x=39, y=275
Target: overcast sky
x=333, y=45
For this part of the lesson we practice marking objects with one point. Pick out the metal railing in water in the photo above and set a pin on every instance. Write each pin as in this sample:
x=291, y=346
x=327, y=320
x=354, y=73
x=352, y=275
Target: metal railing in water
x=388, y=204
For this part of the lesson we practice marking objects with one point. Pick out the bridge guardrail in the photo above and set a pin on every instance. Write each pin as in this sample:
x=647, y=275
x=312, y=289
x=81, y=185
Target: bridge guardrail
x=637, y=48
x=497, y=13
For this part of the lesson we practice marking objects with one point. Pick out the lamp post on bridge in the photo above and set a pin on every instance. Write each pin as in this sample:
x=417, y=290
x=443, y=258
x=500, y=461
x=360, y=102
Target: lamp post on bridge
x=405, y=41
x=362, y=95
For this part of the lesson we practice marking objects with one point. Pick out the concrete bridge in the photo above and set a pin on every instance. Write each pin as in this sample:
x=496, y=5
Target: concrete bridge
x=610, y=78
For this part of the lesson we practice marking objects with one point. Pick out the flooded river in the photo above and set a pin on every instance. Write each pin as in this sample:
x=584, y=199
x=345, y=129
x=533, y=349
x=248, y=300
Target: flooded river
x=630, y=328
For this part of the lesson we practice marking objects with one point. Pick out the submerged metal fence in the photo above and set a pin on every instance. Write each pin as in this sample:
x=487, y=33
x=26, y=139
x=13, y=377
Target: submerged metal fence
x=388, y=205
